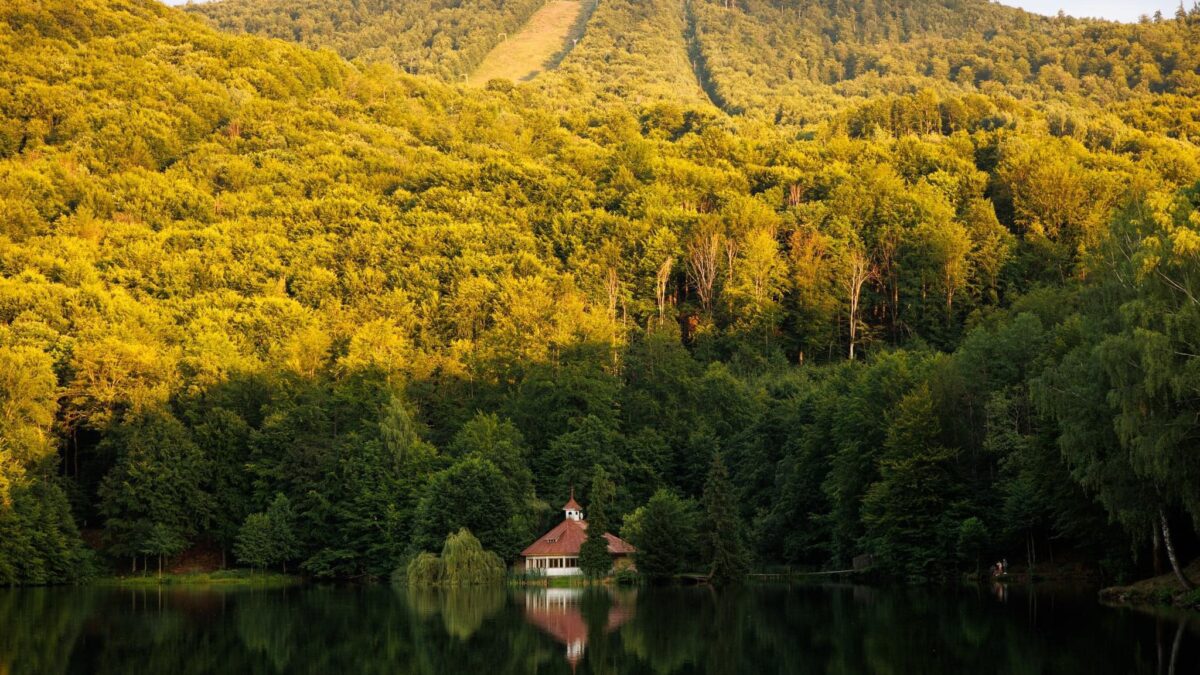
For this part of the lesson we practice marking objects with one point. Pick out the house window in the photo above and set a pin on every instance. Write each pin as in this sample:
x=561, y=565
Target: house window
x=572, y=562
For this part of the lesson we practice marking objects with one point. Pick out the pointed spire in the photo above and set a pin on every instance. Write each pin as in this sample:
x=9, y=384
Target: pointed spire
x=572, y=507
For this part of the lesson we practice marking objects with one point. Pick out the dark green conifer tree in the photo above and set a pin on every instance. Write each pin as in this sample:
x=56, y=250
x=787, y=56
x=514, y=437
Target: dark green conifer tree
x=594, y=558
x=730, y=559
x=664, y=534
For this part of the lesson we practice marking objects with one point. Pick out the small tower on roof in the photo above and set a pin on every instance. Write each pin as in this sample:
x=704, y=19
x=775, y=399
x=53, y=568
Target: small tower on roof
x=572, y=508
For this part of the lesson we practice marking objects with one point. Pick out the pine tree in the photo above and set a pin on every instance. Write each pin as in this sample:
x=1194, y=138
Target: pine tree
x=730, y=559
x=594, y=558
x=664, y=535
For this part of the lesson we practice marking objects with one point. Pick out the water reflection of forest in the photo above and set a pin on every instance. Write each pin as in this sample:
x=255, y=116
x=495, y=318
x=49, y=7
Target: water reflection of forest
x=377, y=629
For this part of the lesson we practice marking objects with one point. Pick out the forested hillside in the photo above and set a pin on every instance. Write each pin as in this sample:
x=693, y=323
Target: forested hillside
x=800, y=61
x=442, y=38
x=921, y=310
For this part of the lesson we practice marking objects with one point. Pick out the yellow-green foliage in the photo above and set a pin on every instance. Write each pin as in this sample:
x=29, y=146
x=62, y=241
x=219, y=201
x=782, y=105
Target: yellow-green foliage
x=425, y=570
x=197, y=226
x=799, y=61
x=463, y=562
x=430, y=37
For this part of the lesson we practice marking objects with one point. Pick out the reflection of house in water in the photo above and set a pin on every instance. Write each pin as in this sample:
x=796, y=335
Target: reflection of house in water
x=557, y=611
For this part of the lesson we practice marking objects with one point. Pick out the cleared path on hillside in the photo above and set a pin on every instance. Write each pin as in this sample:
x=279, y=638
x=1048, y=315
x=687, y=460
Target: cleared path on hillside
x=540, y=44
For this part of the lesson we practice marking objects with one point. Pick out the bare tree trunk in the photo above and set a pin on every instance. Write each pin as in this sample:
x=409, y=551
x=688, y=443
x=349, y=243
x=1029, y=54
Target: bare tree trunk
x=794, y=195
x=949, y=304
x=858, y=273
x=703, y=258
x=1166, y=532
x=660, y=288
x=612, y=285
x=732, y=247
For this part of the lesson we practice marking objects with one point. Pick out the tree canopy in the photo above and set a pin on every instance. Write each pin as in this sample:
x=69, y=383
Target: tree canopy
x=899, y=265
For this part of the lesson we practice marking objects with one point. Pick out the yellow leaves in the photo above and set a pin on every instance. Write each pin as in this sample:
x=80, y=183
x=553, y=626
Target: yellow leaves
x=1186, y=241
x=28, y=401
x=306, y=352
x=469, y=309
x=27, y=388
x=111, y=376
x=313, y=285
x=535, y=319
x=1160, y=204
x=380, y=344
x=87, y=226
x=1172, y=239
x=760, y=269
x=210, y=354
x=1181, y=222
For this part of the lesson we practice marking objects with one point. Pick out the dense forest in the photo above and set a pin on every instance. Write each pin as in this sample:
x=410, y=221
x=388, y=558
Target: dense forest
x=431, y=37
x=922, y=276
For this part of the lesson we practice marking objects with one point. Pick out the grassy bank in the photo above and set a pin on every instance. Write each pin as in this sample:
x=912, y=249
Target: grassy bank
x=1160, y=591
x=241, y=578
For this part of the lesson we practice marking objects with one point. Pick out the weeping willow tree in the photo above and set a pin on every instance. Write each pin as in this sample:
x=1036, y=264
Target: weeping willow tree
x=463, y=562
x=424, y=570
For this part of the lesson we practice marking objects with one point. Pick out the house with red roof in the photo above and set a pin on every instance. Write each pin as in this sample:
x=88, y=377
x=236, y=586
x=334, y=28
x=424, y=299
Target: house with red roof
x=556, y=553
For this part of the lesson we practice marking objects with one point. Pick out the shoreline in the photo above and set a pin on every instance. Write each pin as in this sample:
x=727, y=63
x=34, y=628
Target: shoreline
x=1161, y=592
x=233, y=578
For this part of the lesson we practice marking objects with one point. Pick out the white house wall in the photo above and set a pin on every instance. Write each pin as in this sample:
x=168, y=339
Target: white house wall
x=531, y=564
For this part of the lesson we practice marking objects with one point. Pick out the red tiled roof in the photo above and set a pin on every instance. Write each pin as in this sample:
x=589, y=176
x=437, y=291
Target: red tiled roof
x=566, y=538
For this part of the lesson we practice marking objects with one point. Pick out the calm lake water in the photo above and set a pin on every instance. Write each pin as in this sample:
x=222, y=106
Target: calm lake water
x=763, y=629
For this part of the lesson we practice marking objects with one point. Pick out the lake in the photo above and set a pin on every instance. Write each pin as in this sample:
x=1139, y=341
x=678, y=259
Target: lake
x=760, y=629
